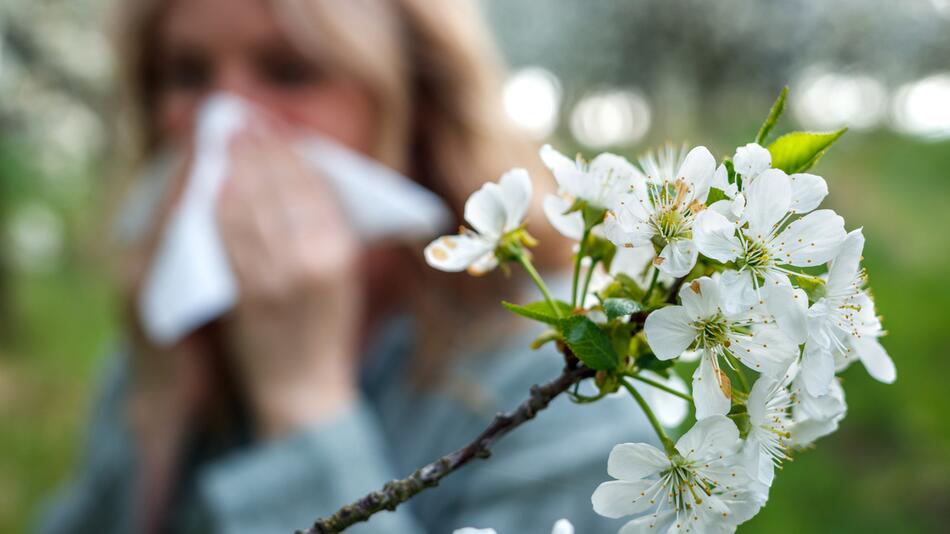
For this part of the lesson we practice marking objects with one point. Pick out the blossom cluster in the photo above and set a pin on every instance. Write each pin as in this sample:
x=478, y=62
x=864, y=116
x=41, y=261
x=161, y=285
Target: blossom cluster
x=764, y=294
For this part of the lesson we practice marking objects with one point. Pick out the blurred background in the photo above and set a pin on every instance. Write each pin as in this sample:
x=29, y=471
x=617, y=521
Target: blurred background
x=589, y=75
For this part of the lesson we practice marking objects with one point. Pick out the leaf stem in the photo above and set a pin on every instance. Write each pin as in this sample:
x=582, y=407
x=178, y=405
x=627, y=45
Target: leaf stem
x=538, y=281
x=660, y=386
x=649, y=293
x=667, y=442
x=589, y=275
x=582, y=247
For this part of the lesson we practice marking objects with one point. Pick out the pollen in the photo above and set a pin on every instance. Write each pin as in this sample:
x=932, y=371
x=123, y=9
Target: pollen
x=439, y=253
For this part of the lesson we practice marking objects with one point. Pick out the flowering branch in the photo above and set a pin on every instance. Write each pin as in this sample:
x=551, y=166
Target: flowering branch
x=397, y=492
x=735, y=238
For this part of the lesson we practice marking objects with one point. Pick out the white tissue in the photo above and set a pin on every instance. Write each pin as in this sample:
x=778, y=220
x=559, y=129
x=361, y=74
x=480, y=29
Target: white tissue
x=190, y=281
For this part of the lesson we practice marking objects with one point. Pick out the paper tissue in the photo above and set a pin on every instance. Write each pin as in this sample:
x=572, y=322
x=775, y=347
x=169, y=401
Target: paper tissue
x=190, y=281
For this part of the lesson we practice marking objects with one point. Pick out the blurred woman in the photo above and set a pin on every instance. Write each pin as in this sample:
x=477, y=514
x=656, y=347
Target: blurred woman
x=343, y=365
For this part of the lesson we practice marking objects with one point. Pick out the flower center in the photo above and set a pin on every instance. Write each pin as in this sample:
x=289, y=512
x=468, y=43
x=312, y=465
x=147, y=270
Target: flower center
x=756, y=256
x=673, y=211
x=713, y=332
x=687, y=488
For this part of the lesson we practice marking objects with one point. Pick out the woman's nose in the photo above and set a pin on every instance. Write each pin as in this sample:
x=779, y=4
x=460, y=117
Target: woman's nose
x=236, y=78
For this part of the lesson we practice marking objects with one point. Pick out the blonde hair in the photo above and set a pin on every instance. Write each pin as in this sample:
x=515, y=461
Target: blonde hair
x=436, y=81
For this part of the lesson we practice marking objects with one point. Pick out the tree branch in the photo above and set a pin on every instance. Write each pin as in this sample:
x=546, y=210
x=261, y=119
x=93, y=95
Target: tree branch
x=397, y=492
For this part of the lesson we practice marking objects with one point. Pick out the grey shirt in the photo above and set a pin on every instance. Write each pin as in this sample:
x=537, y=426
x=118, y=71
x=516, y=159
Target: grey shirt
x=543, y=471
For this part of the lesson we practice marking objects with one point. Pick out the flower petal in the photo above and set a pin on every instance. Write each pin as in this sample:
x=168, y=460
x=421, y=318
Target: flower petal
x=751, y=160
x=697, y=171
x=617, y=498
x=845, y=266
x=668, y=332
x=516, y=196
x=738, y=294
x=818, y=369
x=720, y=180
x=701, y=298
x=608, y=176
x=715, y=236
x=767, y=201
x=812, y=240
x=454, y=253
x=485, y=210
x=756, y=461
x=633, y=461
x=768, y=350
x=875, y=359
x=808, y=191
x=569, y=225
x=653, y=523
x=709, y=437
x=678, y=257
x=569, y=178
x=788, y=305
x=708, y=396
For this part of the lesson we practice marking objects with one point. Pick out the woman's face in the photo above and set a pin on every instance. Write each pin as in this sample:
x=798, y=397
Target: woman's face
x=205, y=46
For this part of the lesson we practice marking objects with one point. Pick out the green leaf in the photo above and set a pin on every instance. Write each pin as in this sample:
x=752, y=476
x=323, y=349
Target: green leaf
x=615, y=307
x=540, y=311
x=589, y=343
x=799, y=151
x=774, y=114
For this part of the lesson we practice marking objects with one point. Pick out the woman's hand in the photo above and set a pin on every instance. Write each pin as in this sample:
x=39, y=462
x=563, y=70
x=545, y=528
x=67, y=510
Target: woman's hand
x=294, y=330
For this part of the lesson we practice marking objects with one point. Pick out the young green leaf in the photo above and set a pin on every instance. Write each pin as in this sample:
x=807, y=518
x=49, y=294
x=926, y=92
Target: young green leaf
x=773, y=117
x=617, y=307
x=799, y=151
x=589, y=343
x=540, y=311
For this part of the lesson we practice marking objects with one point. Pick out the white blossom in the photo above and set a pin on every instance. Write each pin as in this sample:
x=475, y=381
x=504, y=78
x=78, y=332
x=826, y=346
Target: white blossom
x=760, y=242
x=702, y=321
x=659, y=207
x=597, y=183
x=815, y=416
x=839, y=325
x=750, y=161
x=770, y=423
x=699, y=487
x=493, y=211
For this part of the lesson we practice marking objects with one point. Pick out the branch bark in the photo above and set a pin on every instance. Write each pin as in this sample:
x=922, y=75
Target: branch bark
x=397, y=492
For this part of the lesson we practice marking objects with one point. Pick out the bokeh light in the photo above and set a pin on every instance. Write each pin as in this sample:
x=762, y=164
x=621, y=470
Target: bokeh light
x=826, y=100
x=922, y=108
x=532, y=98
x=611, y=118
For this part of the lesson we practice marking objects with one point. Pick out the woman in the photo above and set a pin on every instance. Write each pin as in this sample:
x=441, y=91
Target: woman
x=343, y=366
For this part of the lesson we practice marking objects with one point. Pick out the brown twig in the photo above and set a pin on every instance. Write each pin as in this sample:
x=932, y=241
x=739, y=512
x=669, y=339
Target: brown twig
x=397, y=492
